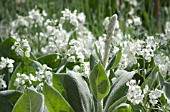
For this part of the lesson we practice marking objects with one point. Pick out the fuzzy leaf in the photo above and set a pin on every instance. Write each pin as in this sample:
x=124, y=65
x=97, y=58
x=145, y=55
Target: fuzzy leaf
x=30, y=101
x=77, y=92
x=50, y=60
x=114, y=61
x=99, y=82
x=8, y=99
x=27, y=66
x=54, y=101
x=118, y=88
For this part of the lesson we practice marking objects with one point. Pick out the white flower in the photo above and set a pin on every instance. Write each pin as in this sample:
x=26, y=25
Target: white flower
x=134, y=94
x=154, y=95
x=81, y=17
x=2, y=83
x=137, y=21
x=132, y=2
x=146, y=89
x=6, y=62
x=44, y=74
x=22, y=47
x=71, y=59
x=20, y=81
x=3, y=63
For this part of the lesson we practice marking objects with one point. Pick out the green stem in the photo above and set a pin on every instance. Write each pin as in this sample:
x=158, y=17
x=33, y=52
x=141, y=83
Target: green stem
x=99, y=106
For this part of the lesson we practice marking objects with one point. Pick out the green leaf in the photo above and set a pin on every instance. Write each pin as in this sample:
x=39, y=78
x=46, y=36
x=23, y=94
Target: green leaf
x=115, y=61
x=151, y=79
x=93, y=61
x=118, y=88
x=99, y=82
x=166, y=91
x=118, y=102
x=8, y=99
x=27, y=66
x=50, y=60
x=124, y=107
x=98, y=53
x=54, y=101
x=58, y=86
x=77, y=92
x=30, y=101
x=161, y=80
x=6, y=51
x=1, y=40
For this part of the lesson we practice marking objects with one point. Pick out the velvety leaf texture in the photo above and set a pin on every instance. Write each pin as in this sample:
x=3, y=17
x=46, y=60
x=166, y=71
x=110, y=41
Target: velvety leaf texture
x=99, y=82
x=30, y=101
x=8, y=99
x=54, y=101
x=77, y=92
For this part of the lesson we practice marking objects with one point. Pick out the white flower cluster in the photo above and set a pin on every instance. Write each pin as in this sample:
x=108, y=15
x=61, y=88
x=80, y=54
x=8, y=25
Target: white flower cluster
x=154, y=95
x=59, y=39
x=131, y=48
x=76, y=43
x=163, y=62
x=44, y=74
x=34, y=19
x=136, y=96
x=2, y=82
x=24, y=81
x=132, y=2
x=22, y=47
x=6, y=62
x=83, y=69
x=136, y=21
x=72, y=17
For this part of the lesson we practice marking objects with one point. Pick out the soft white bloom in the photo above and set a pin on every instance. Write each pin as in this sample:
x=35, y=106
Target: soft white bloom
x=71, y=59
x=81, y=17
x=6, y=62
x=3, y=63
x=44, y=74
x=146, y=89
x=20, y=81
x=2, y=82
x=154, y=95
x=137, y=21
x=129, y=22
x=86, y=69
x=134, y=94
x=22, y=47
x=132, y=2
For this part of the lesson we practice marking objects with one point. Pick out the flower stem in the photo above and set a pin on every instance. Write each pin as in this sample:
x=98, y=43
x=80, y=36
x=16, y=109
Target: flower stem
x=110, y=32
x=99, y=106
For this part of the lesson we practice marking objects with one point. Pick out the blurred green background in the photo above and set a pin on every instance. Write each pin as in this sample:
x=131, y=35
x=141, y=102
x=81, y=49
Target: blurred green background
x=154, y=13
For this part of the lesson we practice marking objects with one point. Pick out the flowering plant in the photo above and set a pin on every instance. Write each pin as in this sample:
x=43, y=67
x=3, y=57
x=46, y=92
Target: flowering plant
x=56, y=65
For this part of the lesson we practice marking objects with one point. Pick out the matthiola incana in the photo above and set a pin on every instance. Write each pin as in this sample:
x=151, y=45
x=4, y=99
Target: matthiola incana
x=154, y=95
x=7, y=63
x=67, y=61
x=2, y=82
x=135, y=94
x=22, y=47
x=23, y=81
